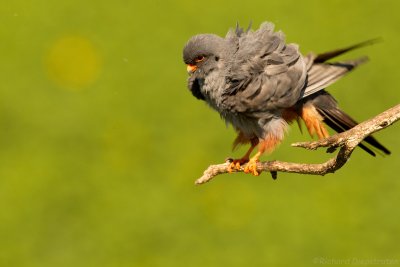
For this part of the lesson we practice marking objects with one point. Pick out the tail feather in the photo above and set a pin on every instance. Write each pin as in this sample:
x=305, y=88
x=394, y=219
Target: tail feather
x=339, y=121
x=339, y=127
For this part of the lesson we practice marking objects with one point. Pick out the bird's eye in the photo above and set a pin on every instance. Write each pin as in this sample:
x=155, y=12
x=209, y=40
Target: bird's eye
x=199, y=58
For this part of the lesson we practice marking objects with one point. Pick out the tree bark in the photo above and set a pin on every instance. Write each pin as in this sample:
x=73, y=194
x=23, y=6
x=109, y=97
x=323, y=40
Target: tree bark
x=347, y=141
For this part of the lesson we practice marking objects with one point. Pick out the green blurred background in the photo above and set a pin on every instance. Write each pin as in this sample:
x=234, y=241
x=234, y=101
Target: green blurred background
x=100, y=141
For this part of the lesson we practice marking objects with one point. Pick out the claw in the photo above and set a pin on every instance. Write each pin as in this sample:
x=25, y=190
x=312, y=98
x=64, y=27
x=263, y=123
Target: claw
x=236, y=164
x=251, y=167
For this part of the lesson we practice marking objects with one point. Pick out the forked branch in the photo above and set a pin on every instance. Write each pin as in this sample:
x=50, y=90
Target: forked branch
x=347, y=141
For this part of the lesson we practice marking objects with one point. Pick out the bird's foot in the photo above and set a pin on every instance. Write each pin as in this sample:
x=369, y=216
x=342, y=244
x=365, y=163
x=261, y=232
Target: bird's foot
x=236, y=164
x=251, y=167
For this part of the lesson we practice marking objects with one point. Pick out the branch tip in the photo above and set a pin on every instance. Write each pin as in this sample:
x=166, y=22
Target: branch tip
x=347, y=141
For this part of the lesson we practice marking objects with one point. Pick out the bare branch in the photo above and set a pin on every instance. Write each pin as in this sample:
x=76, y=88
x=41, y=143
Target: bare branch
x=347, y=141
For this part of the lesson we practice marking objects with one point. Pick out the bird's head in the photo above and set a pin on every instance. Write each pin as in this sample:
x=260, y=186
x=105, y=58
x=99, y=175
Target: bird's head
x=202, y=53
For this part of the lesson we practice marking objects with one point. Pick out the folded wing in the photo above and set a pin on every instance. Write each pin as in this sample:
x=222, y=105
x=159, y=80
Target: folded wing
x=266, y=73
x=322, y=74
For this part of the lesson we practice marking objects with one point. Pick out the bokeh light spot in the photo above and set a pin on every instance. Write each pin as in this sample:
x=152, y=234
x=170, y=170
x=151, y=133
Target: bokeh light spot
x=73, y=62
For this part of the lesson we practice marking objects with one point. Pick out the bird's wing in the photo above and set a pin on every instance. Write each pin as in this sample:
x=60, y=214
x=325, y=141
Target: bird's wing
x=265, y=74
x=322, y=74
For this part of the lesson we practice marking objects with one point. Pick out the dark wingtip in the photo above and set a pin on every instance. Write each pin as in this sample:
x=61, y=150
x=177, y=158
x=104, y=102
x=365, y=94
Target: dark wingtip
x=368, y=150
x=321, y=58
x=376, y=144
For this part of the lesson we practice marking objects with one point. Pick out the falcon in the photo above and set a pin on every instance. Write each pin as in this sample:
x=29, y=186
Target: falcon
x=259, y=85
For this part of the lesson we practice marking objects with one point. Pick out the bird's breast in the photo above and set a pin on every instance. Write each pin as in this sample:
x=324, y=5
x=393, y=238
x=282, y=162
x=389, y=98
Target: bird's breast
x=212, y=89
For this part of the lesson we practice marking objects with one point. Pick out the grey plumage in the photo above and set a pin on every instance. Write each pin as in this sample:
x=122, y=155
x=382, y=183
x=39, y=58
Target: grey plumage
x=253, y=78
x=256, y=75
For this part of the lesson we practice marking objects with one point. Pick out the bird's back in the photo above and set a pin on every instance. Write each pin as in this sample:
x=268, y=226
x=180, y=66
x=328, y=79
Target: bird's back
x=265, y=73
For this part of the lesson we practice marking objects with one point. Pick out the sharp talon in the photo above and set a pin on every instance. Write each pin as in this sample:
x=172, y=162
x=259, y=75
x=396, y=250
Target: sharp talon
x=236, y=164
x=251, y=167
x=246, y=169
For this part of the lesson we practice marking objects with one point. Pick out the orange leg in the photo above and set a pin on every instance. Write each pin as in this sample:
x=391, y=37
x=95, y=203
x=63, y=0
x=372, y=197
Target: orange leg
x=236, y=163
x=251, y=166
x=266, y=145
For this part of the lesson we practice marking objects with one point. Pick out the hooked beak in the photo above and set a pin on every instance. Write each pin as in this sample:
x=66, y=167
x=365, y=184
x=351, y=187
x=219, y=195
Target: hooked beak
x=191, y=68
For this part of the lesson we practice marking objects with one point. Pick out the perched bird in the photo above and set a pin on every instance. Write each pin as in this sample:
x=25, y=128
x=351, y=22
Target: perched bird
x=259, y=85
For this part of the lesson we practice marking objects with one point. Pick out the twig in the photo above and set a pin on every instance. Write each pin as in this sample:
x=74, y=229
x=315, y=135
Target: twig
x=347, y=141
